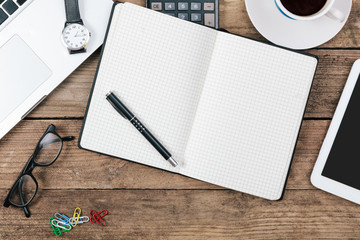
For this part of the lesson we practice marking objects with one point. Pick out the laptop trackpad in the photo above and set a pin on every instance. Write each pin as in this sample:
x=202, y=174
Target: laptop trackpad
x=21, y=73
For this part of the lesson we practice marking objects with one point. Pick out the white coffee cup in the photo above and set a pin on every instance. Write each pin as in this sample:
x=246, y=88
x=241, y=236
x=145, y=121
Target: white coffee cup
x=327, y=10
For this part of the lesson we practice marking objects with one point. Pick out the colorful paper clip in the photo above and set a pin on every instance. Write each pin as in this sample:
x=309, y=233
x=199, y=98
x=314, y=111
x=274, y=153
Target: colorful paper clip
x=83, y=219
x=96, y=217
x=63, y=218
x=60, y=224
x=56, y=230
x=76, y=216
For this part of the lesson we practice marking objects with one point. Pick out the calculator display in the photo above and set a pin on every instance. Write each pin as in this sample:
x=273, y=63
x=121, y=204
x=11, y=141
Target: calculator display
x=204, y=12
x=343, y=163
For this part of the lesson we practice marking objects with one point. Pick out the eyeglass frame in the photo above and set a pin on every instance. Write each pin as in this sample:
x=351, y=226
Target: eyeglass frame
x=29, y=167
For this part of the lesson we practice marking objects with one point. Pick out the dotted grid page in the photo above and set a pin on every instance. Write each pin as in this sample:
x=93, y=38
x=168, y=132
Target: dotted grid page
x=249, y=116
x=156, y=65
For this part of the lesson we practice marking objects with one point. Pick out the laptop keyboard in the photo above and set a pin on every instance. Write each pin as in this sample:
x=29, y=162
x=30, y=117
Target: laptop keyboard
x=8, y=7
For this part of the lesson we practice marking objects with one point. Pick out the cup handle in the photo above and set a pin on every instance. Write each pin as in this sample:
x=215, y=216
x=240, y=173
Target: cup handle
x=336, y=14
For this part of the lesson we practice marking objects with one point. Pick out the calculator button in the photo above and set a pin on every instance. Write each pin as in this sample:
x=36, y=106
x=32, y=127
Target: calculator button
x=183, y=6
x=156, y=6
x=10, y=7
x=196, y=17
x=3, y=16
x=169, y=6
x=208, y=6
x=171, y=14
x=21, y=2
x=183, y=16
x=195, y=6
x=209, y=19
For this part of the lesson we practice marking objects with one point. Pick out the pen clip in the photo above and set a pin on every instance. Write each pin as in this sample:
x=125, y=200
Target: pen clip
x=112, y=104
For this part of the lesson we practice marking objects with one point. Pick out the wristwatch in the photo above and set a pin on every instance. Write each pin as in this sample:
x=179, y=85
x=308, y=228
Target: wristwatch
x=75, y=35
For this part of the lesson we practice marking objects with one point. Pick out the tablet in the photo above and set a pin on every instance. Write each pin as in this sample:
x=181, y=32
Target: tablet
x=337, y=169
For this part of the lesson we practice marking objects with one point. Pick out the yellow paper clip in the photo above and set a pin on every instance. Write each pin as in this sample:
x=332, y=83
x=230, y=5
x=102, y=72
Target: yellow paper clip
x=75, y=218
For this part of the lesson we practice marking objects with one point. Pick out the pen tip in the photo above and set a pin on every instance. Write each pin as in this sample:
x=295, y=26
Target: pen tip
x=108, y=93
x=172, y=162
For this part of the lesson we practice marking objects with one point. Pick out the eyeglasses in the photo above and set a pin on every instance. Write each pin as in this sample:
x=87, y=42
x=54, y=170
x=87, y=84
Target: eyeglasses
x=46, y=152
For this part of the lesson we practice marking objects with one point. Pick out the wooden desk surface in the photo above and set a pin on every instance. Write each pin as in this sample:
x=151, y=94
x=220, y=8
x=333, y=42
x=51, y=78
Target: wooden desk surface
x=146, y=203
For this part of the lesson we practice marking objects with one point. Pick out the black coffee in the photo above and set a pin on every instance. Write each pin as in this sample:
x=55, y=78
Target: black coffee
x=303, y=7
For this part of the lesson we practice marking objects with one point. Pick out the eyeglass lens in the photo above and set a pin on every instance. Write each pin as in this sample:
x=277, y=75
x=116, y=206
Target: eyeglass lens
x=25, y=189
x=50, y=147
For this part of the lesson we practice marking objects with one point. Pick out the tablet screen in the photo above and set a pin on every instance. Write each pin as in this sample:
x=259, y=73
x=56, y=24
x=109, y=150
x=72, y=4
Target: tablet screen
x=343, y=163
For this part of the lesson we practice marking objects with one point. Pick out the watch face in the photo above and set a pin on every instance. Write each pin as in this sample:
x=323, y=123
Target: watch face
x=75, y=36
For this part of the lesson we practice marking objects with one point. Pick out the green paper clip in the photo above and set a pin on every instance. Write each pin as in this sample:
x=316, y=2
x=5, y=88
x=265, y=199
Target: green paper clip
x=56, y=230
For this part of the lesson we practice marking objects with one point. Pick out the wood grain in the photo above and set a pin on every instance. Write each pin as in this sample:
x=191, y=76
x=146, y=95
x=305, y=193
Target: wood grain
x=147, y=203
x=78, y=168
x=188, y=214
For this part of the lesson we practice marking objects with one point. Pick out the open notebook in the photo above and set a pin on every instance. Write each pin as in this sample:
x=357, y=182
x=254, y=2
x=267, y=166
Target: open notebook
x=228, y=108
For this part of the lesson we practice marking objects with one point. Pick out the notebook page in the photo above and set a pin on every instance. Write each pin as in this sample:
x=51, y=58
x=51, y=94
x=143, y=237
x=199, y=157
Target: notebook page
x=156, y=65
x=249, y=115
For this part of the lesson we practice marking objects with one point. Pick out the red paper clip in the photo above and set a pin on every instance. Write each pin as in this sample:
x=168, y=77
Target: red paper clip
x=96, y=217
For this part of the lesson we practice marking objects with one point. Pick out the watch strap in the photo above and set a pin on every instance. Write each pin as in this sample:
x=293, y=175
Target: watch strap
x=77, y=51
x=72, y=11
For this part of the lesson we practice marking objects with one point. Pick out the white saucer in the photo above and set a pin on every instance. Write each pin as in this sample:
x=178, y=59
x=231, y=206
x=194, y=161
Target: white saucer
x=294, y=34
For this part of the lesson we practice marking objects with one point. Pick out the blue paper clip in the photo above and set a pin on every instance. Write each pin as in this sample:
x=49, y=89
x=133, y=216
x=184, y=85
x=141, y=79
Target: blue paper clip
x=83, y=219
x=63, y=218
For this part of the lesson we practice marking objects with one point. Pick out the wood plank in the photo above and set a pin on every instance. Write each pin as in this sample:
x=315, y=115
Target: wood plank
x=188, y=214
x=77, y=168
x=69, y=100
x=332, y=72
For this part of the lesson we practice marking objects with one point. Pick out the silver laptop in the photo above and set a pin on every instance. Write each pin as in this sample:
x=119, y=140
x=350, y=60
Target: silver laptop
x=33, y=58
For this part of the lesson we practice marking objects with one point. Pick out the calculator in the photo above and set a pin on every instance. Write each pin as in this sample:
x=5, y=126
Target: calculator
x=205, y=12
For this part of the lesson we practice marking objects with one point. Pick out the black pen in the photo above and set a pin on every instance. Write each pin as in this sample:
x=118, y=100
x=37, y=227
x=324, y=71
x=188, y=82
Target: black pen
x=120, y=107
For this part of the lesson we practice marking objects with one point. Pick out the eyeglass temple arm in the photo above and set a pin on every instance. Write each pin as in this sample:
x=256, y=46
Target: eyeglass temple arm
x=26, y=210
x=6, y=203
x=67, y=139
